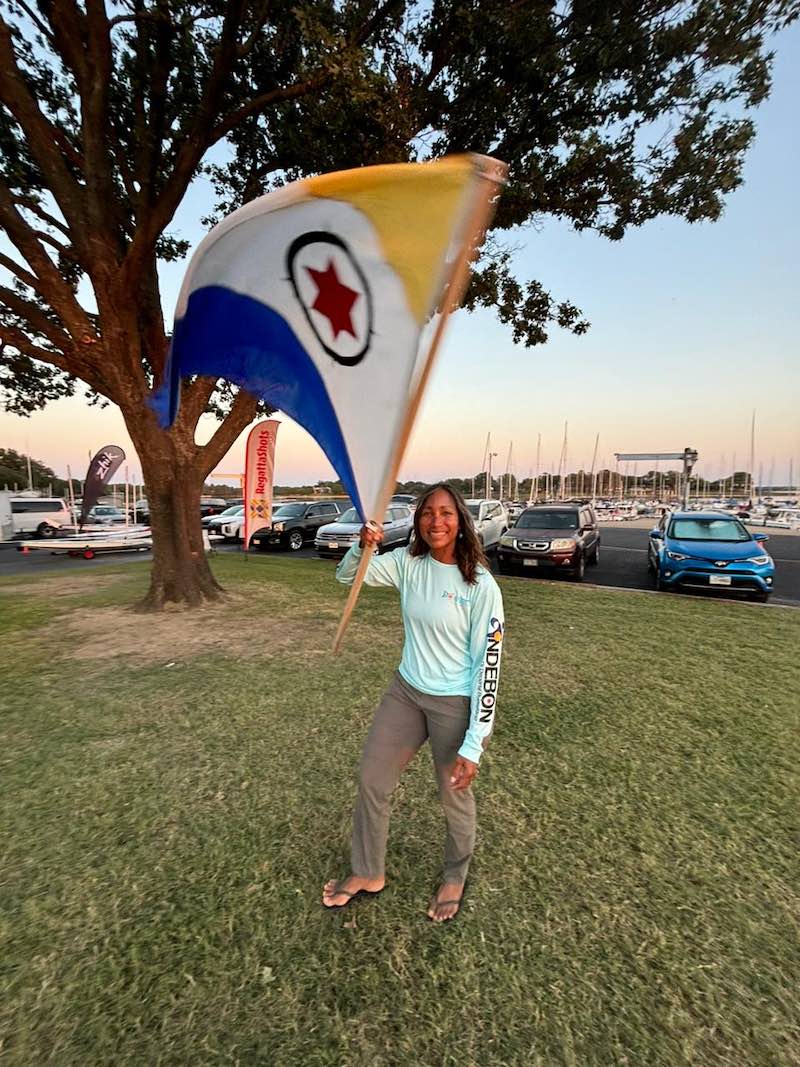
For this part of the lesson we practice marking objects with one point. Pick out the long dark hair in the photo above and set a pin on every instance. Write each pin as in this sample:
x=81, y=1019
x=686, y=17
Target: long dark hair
x=469, y=551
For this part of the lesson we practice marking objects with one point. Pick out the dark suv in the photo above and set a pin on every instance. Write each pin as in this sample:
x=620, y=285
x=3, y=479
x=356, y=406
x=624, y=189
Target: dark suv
x=563, y=537
x=294, y=524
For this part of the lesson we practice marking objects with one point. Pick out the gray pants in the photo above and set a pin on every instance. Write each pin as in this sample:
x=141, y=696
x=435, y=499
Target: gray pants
x=404, y=720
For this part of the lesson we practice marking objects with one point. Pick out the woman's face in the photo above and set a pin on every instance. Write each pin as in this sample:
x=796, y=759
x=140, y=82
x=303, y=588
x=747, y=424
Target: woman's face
x=438, y=522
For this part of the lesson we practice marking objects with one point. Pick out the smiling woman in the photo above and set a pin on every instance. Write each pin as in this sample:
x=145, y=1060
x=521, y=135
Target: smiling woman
x=445, y=690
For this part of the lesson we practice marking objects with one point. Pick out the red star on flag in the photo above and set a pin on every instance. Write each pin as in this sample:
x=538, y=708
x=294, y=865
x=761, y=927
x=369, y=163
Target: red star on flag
x=334, y=299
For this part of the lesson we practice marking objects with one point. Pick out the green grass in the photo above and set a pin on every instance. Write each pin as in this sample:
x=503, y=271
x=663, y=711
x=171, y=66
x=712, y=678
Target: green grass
x=172, y=806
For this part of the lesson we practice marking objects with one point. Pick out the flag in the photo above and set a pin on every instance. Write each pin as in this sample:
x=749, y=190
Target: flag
x=259, y=464
x=315, y=296
x=101, y=468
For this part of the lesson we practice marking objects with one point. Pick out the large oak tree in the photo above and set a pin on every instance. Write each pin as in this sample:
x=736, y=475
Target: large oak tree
x=609, y=113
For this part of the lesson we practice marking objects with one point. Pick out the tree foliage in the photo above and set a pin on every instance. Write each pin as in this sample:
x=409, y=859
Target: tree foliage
x=609, y=114
x=14, y=472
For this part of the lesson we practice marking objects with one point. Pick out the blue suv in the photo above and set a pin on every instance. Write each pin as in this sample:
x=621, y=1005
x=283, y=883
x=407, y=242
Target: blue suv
x=709, y=550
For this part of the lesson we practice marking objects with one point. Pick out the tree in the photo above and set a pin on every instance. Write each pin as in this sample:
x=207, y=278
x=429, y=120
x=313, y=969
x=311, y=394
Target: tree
x=609, y=113
x=14, y=472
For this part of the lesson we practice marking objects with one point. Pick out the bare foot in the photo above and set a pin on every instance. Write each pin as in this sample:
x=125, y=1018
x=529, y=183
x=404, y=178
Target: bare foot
x=335, y=893
x=446, y=902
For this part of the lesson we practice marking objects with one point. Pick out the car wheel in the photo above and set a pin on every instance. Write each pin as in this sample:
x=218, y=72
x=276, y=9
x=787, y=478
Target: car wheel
x=578, y=572
x=503, y=567
x=88, y=554
x=295, y=540
x=44, y=529
x=595, y=559
x=655, y=577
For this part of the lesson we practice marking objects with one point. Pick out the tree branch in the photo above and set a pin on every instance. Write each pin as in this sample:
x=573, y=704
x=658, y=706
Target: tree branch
x=193, y=148
x=50, y=282
x=195, y=396
x=41, y=134
x=35, y=317
x=243, y=411
x=274, y=96
x=244, y=49
x=20, y=272
x=43, y=29
x=30, y=204
x=11, y=335
x=84, y=43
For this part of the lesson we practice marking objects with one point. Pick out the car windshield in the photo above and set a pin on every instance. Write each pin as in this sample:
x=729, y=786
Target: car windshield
x=474, y=510
x=237, y=509
x=708, y=530
x=351, y=515
x=548, y=520
x=289, y=511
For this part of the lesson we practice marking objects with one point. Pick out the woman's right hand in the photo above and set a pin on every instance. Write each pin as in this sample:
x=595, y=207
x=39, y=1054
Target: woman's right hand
x=371, y=534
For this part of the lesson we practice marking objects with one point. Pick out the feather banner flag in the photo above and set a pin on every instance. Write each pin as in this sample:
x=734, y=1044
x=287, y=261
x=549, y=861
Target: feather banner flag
x=315, y=298
x=259, y=467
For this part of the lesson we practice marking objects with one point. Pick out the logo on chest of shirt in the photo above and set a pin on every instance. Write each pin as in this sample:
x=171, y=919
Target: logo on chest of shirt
x=491, y=669
x=455, y=598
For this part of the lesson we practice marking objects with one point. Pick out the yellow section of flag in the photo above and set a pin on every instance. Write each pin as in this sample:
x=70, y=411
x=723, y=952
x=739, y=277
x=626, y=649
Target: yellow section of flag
x=415, y=209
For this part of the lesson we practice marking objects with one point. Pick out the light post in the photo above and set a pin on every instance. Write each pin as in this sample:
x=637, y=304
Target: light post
x=489, y=489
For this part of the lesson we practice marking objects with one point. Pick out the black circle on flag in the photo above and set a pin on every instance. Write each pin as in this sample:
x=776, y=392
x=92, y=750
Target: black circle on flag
x=332, y=290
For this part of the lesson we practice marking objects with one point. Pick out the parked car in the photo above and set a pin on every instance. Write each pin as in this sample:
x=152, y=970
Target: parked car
x=406, y=499
x=334, y=539
x=105, y=514
x=562, y=537
x=213, y=506
x=214, y=523
x=709, y=550
x=140, y=512
x=38, y=515
x=296, y=523
x=490, y=519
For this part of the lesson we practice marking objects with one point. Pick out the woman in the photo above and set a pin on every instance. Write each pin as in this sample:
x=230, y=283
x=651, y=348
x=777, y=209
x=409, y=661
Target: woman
x=444, y=690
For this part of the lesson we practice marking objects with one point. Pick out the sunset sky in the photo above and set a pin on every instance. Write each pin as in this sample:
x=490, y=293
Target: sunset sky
x=693, y=327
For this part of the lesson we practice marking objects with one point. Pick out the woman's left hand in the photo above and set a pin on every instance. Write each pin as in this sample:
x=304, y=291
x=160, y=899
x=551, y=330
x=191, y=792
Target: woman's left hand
x=463, y=772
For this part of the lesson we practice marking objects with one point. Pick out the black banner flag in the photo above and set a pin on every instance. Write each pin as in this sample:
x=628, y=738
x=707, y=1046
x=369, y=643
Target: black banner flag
x=104, y=464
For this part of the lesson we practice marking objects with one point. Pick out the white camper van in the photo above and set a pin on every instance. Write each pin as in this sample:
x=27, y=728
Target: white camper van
x=6, y=525
x=39, y=516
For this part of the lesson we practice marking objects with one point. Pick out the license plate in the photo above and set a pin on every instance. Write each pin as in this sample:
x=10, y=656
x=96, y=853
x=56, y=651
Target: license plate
x=332, y=544
x=530, y=562
x=719, y=579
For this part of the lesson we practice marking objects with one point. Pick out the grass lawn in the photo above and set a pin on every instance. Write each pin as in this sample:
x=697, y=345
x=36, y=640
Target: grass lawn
x=176, y=789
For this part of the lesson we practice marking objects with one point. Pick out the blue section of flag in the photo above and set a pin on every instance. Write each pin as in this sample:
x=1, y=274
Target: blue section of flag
x=226, y=335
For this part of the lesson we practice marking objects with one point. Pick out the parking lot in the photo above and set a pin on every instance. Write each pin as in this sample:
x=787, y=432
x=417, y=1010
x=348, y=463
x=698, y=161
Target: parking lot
x=623, y=562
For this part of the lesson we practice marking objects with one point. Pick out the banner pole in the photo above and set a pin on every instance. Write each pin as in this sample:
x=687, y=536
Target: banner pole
x=71, y=498
x=477, y=223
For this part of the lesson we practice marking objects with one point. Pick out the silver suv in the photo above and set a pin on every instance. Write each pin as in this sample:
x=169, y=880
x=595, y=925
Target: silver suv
x=490, y=519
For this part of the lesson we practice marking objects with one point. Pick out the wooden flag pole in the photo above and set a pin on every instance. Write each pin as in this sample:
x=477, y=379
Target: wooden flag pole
x=478, y=221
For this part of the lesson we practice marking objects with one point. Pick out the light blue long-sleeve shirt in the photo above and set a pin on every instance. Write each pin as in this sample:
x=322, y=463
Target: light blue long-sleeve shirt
x=453, y=631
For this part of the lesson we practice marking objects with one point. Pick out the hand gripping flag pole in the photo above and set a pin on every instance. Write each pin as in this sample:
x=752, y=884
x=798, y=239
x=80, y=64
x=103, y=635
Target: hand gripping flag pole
x=491, y=177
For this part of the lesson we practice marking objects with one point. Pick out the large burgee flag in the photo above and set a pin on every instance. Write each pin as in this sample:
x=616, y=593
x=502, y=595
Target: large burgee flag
x=315, y=296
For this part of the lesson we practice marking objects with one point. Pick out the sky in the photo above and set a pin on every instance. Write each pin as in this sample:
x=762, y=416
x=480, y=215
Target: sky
x=693, y=328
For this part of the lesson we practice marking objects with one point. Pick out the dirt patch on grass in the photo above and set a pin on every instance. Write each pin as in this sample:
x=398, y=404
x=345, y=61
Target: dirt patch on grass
x=236, y=626
x=53, y=588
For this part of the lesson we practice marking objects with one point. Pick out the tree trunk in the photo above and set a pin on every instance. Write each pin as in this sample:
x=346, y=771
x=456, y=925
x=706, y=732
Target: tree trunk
x=173, y=478
x=181, y=573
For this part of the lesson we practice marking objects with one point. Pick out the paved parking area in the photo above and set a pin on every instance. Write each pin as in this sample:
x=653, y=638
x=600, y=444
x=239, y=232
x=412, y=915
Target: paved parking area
x=623, y=561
